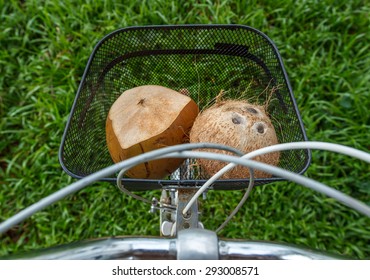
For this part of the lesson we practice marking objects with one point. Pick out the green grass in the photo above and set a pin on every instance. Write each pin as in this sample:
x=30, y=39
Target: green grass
x=45, y=45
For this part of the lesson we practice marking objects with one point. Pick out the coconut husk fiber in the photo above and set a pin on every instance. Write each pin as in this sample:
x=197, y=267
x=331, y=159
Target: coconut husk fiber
x=238, y=124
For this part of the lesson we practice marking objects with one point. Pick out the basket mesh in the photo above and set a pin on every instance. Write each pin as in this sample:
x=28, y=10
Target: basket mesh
x=201, y=59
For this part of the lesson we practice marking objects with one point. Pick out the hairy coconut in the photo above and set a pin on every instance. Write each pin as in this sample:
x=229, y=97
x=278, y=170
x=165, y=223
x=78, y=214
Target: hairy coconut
x=146, y=118
x=237, y=124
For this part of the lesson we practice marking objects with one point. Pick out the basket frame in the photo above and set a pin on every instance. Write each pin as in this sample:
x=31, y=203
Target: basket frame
x=149, y=184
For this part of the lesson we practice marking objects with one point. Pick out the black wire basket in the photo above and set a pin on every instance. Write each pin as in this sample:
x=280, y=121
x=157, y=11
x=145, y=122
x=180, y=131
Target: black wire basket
x=203, y=59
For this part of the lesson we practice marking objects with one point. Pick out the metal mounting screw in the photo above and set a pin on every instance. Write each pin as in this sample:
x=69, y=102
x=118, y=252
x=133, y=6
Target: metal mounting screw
x=154, y=206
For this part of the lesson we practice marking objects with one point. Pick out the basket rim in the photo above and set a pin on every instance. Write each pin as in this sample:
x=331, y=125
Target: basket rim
x=148, y=182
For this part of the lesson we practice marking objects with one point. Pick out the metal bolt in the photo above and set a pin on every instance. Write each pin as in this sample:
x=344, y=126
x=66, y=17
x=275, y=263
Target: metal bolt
x=154, y=206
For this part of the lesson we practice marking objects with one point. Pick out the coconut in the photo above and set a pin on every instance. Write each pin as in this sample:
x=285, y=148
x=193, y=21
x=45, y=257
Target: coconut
x=238, y=124
x=146, y=118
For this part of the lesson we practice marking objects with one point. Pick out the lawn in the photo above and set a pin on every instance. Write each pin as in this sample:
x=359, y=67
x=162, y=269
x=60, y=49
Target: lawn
x=45, y=46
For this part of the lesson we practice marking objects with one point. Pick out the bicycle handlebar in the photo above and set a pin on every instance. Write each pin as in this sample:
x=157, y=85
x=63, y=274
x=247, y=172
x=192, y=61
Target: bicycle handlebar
x=189, y=244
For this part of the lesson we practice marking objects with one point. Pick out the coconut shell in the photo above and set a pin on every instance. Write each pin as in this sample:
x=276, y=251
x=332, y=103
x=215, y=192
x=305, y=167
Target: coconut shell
x=146, y=118
x=238, y=124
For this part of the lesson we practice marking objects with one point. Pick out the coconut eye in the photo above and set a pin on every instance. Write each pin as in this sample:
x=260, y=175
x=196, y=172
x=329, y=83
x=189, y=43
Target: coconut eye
x=252, y=110
x=260, y=128
x=237, y=119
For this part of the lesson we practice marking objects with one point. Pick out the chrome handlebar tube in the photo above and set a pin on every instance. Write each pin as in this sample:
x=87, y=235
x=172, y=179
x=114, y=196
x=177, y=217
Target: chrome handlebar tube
x=190, y=244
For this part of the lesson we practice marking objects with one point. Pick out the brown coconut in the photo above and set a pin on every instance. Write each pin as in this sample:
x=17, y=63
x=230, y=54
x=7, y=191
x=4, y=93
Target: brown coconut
x=146, y=118
x=238, y=124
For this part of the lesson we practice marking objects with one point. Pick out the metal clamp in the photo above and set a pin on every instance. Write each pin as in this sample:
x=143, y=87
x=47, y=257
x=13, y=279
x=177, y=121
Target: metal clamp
x=197, y=244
